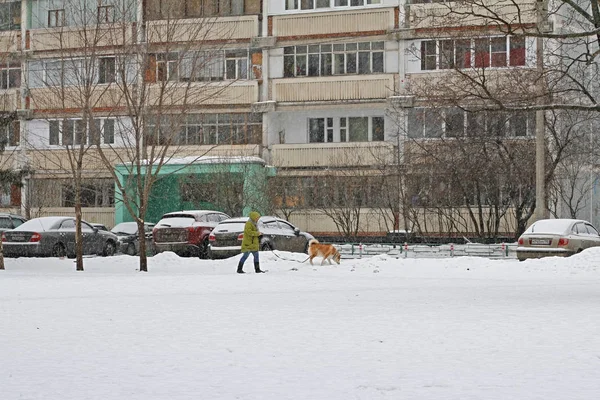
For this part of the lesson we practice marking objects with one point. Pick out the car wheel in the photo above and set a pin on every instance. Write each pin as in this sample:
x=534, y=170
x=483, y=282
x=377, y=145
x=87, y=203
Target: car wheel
x=130, y=250
x=306, y=248
x=59, y=250
x=109, y=249
x=204, y=250
x=266, y=247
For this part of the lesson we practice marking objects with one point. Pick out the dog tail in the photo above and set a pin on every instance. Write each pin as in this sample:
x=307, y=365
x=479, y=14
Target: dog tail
x=312, y=241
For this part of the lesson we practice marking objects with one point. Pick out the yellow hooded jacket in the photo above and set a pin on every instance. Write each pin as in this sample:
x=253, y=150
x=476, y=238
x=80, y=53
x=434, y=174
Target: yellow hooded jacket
x=251, y=242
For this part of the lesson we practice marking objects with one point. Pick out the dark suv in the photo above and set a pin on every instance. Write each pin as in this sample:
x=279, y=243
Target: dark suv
x=186, y=232
x=10, y=221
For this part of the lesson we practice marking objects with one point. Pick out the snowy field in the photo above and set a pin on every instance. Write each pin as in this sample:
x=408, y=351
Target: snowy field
x=377, y=328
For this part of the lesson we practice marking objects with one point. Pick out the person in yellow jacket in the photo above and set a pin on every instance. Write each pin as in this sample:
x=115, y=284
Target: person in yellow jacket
x=250, y=243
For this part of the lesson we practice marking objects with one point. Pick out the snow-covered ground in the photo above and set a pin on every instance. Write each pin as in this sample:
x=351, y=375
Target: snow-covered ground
x=376, y=328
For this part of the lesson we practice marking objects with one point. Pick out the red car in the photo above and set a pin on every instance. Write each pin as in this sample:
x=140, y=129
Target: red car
x=186, y=232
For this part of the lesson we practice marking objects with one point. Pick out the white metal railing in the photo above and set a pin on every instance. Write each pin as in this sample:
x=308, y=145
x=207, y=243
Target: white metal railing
x=105, y=35
x=202, y=29
x=436, y=15
x=332, y=154
x=360, y=250
x=331, y=88
x=379, y=19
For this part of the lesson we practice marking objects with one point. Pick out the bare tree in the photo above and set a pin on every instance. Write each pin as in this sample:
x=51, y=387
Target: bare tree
x=166, y=78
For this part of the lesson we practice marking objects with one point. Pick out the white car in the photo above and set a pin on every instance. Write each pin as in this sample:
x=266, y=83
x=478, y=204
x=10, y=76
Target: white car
x=557, y=237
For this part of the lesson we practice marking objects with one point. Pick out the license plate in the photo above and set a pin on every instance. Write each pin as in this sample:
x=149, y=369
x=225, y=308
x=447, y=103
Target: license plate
x=540, y=241
x=17, y=238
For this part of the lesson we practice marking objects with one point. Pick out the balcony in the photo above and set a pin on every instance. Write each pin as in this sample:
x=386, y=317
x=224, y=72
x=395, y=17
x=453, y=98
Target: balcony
x=334, y=88
x=203, y=93
x=10, y=41
x=438, y=15
x=59, y=98
x=10, y=100
x=98, y=36
x=202, y=29
x=500, y=82
x=376, y=20
x=358, y=154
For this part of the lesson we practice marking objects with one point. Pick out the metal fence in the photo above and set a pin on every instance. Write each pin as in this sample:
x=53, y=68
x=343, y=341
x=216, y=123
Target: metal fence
x=360, y=250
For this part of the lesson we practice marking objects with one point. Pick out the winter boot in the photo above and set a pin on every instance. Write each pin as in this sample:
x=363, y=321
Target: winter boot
x=240, y=270
x=257, y=268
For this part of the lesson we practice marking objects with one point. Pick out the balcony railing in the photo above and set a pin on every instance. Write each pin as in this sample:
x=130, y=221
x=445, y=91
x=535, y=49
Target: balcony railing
x=437, y=15
x=202, y=29
x=332, y=88
x=58, y=98
x=10, y=41
x=332, y=154
x=203, y=93
x=97, y=36
x=327, y=23
x=10, y=100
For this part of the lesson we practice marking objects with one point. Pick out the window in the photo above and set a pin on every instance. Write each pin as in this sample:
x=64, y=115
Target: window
x=497, y=52
x=166, y=9
x=328, y=59
x=236, y=64
x=351, y=129
x=499, y=56
x=106, y=14
x=102, y=131
x=106, y=70
x=69, y=132
x=454, y=123
x=10, y=16
x=482, y=53
x=10, y=75
x=94, y=193
x=235, y=128
x=428, y=55
x=305, y=4
x=517, y=51
x=199, y=66
x=56, y=18
x=10, y=135
x=320, y=130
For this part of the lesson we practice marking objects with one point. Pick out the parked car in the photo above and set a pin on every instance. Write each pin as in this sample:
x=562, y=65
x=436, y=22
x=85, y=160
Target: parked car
x=186, y=232
x=55, y=237
x=10, y=221
x=129, y=242
x=102, y=227
x=556, y=237
x=226, y=238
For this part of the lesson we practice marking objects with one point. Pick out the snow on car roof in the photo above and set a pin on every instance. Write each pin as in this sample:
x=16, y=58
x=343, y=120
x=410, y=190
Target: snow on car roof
x=552, y=225
x=40, y=224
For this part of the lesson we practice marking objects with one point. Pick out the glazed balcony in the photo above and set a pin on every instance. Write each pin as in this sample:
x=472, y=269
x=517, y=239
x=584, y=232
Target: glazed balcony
x=203, y=93
x=334, y=88
x=449, y=14
x=98, y=36
x=332, y=154
x=373, y=21
x=203, y=29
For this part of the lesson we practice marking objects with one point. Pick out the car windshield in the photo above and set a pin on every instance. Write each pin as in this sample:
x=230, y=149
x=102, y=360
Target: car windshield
x=558, y=226
x=40, y=224
x=128, y=228
x=176, y=222
x=5, y=223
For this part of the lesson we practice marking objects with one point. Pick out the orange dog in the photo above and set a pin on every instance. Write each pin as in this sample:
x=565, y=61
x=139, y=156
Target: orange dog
x=327, y=251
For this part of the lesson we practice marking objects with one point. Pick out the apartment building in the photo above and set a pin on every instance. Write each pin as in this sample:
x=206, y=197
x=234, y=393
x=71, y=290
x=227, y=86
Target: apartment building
x=330, y=92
